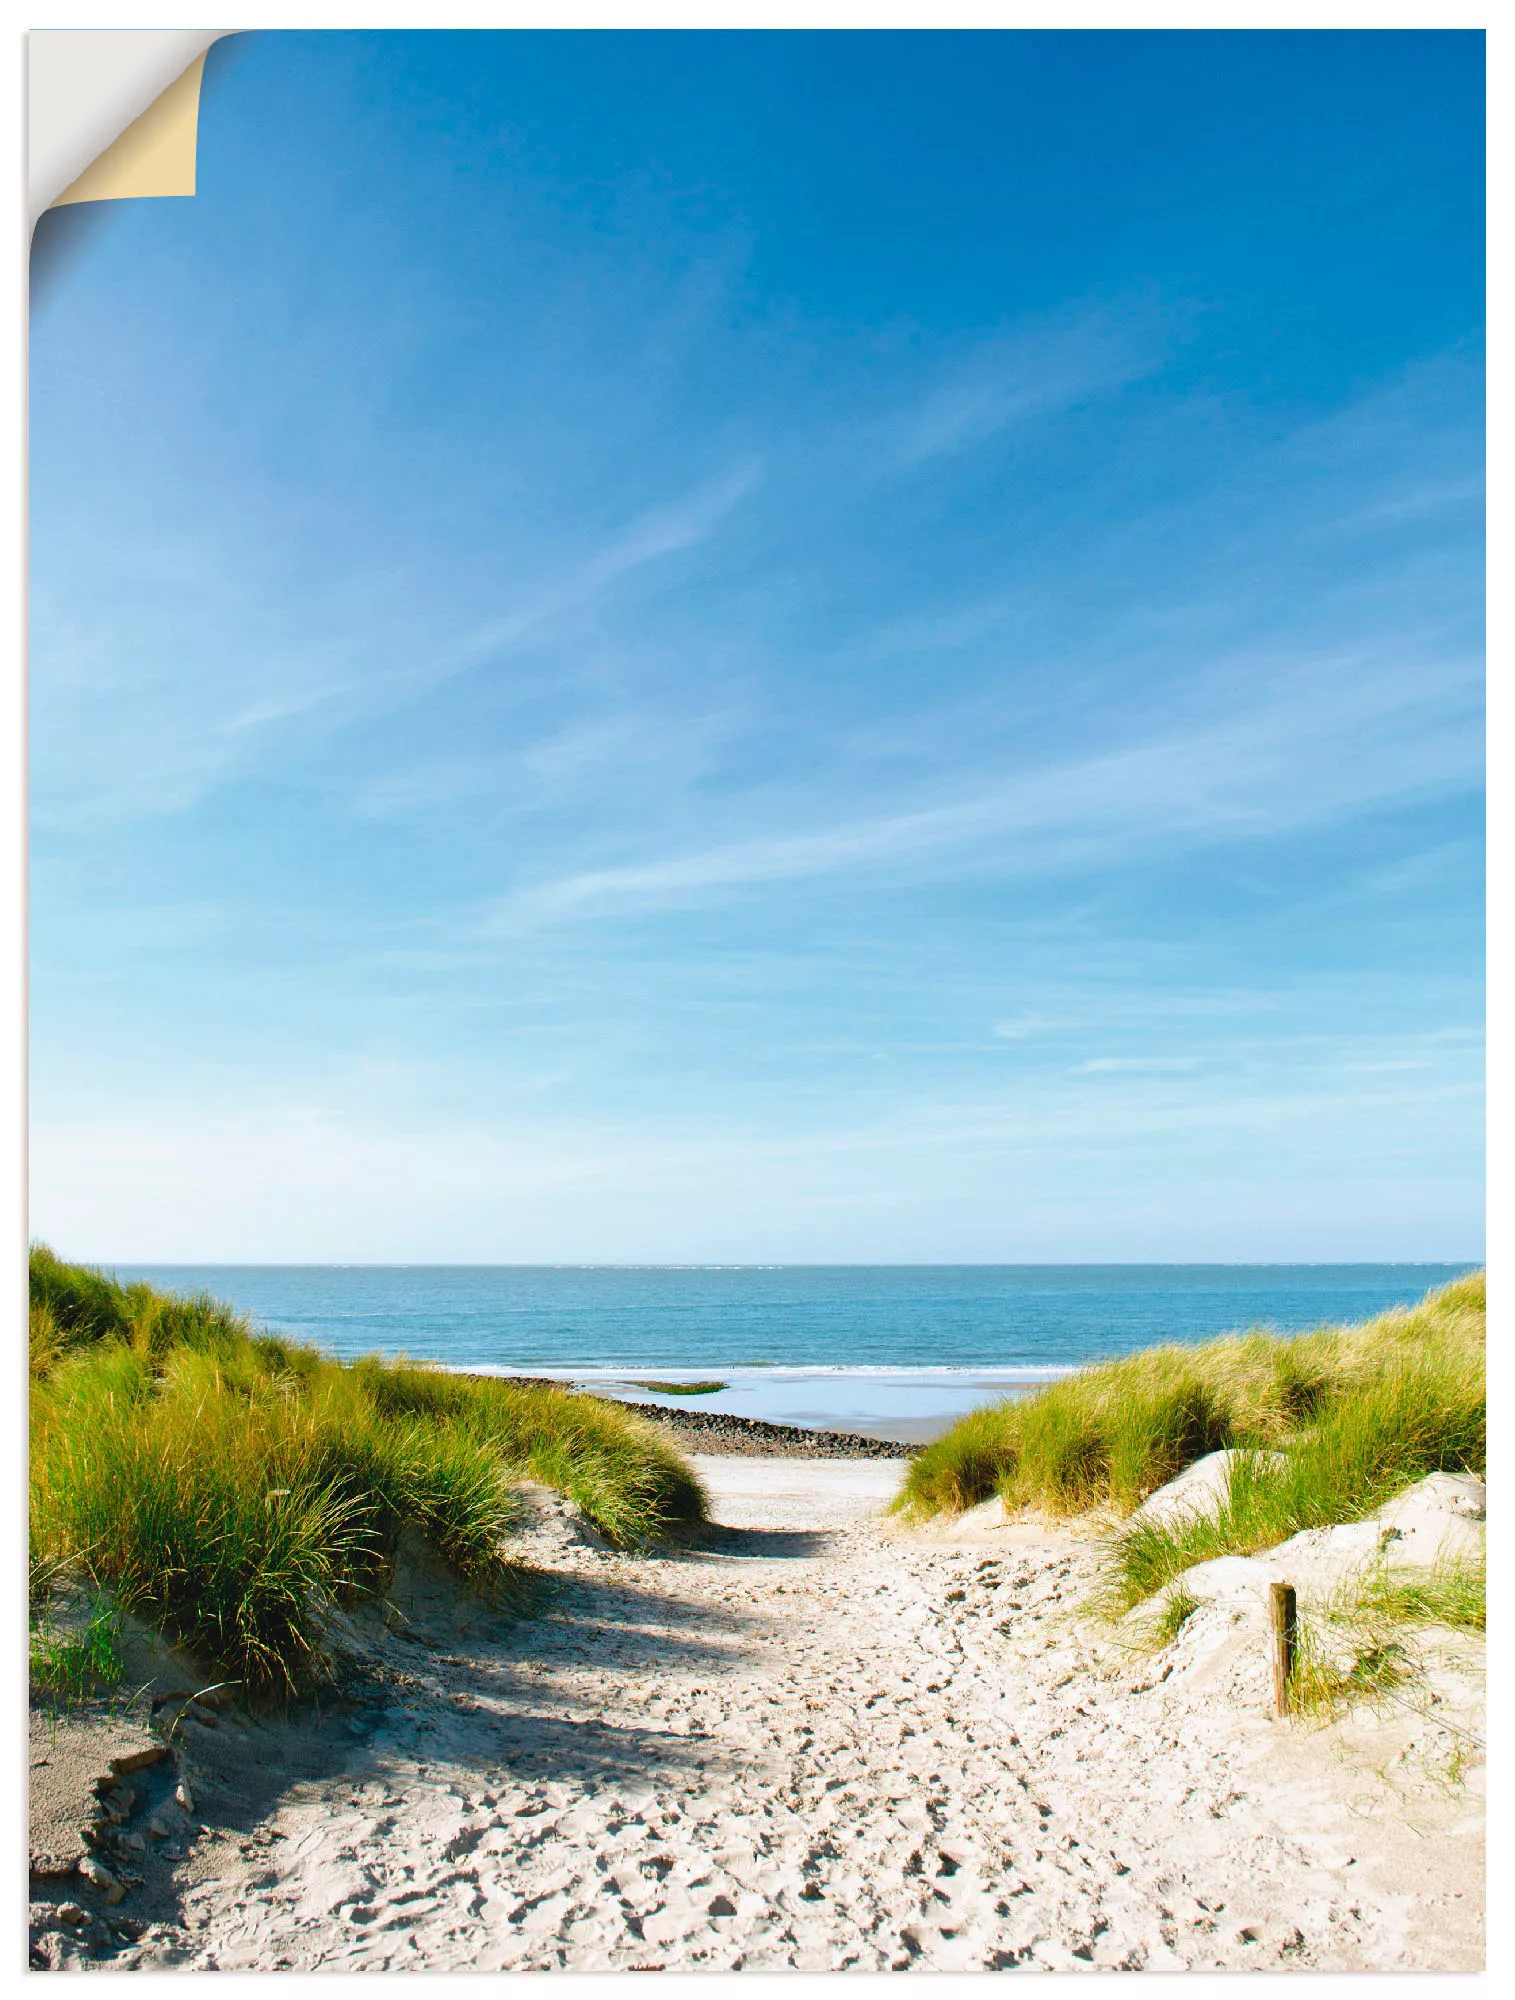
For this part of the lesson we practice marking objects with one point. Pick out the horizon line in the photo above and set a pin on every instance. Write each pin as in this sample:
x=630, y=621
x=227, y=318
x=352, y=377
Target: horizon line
x=874, y=1264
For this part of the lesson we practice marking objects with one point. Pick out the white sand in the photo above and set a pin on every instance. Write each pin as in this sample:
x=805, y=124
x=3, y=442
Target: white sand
x=798, y=1492
x=818, y=1743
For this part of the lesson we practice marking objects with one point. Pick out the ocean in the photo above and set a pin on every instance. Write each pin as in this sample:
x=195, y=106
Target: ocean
x=895, y=1350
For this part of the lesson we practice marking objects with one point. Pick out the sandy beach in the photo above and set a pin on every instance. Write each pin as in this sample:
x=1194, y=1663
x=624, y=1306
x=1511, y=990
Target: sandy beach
x=814, y=1741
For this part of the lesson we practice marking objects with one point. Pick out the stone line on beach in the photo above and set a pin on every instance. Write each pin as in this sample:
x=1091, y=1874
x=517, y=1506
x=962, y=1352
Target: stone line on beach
x=804, y=1745
x=718, y=1433
x=713, y=1432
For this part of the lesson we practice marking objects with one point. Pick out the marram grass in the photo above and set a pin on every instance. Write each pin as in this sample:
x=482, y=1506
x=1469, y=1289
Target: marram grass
x=1453, y=1593
x=1357, y=1413
x=227, y=1486
x=1359, y=1644
x=1422, y=1413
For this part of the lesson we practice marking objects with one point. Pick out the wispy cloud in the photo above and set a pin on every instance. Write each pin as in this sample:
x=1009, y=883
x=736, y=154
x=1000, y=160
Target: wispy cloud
x=1023, y=1027
x=634, y=755
x=1135, y=1065
x=661, y=531
x=1033, y=371
x=131, y=707
x=1269, y=769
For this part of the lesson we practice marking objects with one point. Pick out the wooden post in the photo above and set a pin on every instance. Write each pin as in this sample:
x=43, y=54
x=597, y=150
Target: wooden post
x=1282, y=1617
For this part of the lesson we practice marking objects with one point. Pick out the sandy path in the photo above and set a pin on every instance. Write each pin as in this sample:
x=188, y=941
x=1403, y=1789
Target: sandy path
x=807, y=1745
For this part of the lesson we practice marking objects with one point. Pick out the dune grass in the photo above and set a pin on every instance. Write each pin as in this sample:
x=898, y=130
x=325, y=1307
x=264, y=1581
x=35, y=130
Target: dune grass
x=227, y=1486
x=1454, y=1594
x=1328, y=1678
x=1418, y=1415
x=1177, y=1609
x=1359, y=1643
x=1357, y=1413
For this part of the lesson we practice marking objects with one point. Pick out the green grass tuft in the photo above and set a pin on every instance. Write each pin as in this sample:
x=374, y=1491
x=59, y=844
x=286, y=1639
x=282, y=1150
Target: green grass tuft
x=683, y=1388
x=227, y=1486
x=1418, y=1416
x=1454, y=1594
x=1178, y=1608
x=1358, y=1410
x=1357, y=1645
x=1327, y=1679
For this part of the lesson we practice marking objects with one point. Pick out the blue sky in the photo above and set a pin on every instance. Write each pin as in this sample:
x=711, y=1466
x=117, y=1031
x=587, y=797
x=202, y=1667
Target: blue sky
x=831, y=647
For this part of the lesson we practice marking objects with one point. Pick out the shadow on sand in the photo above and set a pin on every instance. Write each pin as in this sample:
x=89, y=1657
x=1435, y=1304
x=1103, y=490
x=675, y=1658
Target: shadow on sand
x=458, y=1683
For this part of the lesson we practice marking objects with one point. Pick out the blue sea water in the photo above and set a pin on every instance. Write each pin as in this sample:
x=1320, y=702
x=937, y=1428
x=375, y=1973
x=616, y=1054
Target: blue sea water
x=894, y=1348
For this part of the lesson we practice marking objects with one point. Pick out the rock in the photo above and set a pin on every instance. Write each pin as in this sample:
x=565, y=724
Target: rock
x=138, y=1757
x=183, y=1796
x=95, y=1872
x=73, y=1914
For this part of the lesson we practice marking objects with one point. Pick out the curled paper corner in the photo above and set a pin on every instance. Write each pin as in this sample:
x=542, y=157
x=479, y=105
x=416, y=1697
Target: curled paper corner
x=155, y=155
x=113, y=114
